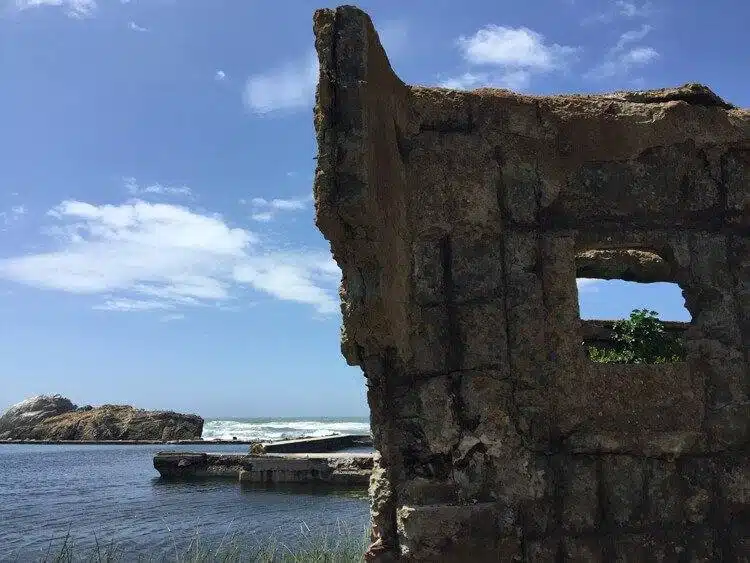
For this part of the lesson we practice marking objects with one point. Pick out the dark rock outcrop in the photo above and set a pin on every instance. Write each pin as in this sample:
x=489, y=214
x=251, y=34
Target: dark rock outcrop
x=22, y=418
x=57, y=418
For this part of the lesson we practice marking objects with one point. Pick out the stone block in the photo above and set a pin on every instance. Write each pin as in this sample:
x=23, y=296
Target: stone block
x=736, y=172
x=521, y=252
x=454, y=180
x=521, y=187
x=430, y=340
x=437, y=414
x=699, y=481
x=476, y=265
x=664, y=493
x=537, y=516
x=739, y=538
x=582, y=550
x=482, y=335
x=478, y=532
x=421, y=491
x=428, y=270
x=542, y=551
x=623, y=488
x=710, y=265
x=734, y=485
x=580, y=500
x=527, y=325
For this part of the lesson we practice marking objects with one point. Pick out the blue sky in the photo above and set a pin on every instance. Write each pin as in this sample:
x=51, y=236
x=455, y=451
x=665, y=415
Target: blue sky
x=157, y=244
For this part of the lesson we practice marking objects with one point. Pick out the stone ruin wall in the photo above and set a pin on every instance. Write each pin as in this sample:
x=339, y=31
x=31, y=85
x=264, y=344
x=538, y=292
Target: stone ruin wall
x=459, y=220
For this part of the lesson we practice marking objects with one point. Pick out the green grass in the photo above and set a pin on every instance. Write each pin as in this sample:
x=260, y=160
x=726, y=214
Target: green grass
x=339, y=544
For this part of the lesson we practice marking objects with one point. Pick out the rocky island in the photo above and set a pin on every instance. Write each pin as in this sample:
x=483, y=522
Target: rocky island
x=53, y=417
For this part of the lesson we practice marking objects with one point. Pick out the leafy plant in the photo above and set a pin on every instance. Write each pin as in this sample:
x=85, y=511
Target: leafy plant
x=641, y=339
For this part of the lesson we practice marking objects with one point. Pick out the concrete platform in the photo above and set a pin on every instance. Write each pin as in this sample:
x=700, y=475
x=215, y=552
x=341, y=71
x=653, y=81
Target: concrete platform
x=345, y=469
x=324, y=444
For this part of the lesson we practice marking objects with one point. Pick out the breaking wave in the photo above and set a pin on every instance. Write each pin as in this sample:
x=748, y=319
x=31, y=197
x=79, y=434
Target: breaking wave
x=267, y=430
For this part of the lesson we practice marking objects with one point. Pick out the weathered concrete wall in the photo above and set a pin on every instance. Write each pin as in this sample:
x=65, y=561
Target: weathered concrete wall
x=457, y=219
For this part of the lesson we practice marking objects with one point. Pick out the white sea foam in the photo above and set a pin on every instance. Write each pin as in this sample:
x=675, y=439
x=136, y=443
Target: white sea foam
x=280, y=429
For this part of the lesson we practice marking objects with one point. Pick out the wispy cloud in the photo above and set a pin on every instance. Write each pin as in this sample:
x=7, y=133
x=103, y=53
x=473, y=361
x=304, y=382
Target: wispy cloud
x=291, y=86
x=74, y=8
x=142, y=256
x=131, y=184
x=619, y=10
x=172, y=317
x=632, y=36
x=623, y=62
x=508, y=58
x=633, y=10
x=265, y=210
x=625, y=55
x=587, y=285
x=135, y=27
x=133, y=305
x=8, y=218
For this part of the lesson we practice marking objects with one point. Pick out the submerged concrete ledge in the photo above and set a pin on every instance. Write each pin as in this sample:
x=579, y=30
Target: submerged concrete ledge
x=332, y=468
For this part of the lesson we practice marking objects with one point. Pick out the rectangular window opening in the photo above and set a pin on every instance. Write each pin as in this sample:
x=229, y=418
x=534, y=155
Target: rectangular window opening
x=631, y=309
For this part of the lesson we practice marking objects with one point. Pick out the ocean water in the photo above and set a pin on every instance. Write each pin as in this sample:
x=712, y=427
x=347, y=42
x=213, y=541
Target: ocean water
x=112, y=495
x=282, y=428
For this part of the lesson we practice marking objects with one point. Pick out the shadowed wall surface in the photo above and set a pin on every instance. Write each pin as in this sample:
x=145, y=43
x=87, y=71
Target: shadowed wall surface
x=460, y=221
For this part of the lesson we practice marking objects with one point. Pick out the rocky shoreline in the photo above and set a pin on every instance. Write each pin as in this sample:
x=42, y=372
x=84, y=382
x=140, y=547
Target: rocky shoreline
x=55, y=419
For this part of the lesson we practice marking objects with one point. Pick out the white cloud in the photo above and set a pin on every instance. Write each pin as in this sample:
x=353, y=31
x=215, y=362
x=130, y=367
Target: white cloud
x=513, y=80
x=622, y=63
x=263, y=216
x=135, y=27
x=289, y=87
x=588, y=285
x=131, y=184
x=514, y=55
x=466, y=81
x=639, y=56
x=143, y=256
x=291, y=204
x=632, y=36
x=265, y=210
x=293, y=277
x=220, y=75
x=518, y=48
x=74, y=8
